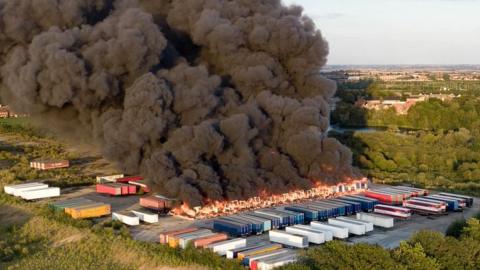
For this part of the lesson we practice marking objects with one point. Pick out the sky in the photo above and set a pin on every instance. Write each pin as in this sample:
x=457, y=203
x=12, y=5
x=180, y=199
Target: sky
x=406, y=32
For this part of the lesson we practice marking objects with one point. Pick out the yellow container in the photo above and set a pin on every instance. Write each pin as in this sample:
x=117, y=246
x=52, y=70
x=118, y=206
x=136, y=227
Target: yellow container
x=260, y=251
x=173, y=241
x=68, y=210
x=91, y=212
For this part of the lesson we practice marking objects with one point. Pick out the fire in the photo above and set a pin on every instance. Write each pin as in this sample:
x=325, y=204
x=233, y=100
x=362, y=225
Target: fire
x=220, y=208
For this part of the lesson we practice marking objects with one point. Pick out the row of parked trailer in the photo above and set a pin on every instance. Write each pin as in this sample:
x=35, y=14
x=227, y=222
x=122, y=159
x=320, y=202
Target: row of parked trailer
x=32, y=191
x=395, y=195
x=439, y=203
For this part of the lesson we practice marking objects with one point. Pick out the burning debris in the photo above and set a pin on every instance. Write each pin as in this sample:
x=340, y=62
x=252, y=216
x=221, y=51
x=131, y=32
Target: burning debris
x=210, y=100
x=221, y=208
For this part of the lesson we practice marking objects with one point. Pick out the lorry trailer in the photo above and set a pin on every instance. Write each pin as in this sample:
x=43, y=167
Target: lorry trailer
x=337, y=231
x=328, y=235
x=377, y=220
x=127, y=218
x=313, y=236
x=234, y=228
x=368, y=225
x=222, y=247
x=469, y=200
x=36, y=194
x=353, y=227
x=146, y=216
x=288, y=239
x=424, y=206
x=394, y=211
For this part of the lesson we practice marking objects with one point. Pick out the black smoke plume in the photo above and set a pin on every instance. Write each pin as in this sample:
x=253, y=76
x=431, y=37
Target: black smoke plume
x=217, y=99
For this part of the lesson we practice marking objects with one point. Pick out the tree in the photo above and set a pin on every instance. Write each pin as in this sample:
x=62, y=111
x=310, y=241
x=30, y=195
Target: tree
x=413, y=257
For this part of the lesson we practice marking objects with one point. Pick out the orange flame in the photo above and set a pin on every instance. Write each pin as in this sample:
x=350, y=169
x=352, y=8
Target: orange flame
x=213, y=209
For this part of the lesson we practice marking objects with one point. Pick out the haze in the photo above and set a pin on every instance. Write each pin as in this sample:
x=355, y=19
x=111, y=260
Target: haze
x=382, y=32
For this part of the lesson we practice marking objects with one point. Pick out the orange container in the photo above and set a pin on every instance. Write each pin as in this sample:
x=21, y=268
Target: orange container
x=164, y=237
x=204, y=241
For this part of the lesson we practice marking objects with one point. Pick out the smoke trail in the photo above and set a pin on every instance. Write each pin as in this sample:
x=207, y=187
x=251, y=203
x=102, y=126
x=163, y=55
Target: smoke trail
x=206, y=98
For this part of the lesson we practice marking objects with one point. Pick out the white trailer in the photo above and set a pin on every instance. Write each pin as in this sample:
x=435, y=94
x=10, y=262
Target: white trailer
x=17, y=191
x=126, y=218
x=315, y=237
x=277, y=261
x=326, y=233
x=338, y=231
x=221, y=248
x=146, y=216
x=353, y=228
x=9, y=189
x=368, y=225
x=40, y=193
x=288, y=239
x=262, y=256
x=377, y=220
x=109, y=178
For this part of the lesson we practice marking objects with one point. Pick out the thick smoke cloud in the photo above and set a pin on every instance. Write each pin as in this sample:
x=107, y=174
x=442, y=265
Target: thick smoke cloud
x=208, y=99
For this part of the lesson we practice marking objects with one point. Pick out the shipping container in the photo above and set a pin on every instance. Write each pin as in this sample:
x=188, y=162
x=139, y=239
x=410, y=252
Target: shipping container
x=116, y=189
x=298, y=217
x=165, y=235
x=40, y=193
x=338, y=232
x=328, y=235
x=324, y=213
x=108, y=178
x=467, y=198
x=272, y=263
x=385, y=197
x=415, y=192
x=452, y=204
x=248, y=261
x=276, y=221
x=428, y=207
x=310, y=215
x=368, y=225
x=49, y=164
x=10, y=189
x=91, y=211
x=69, y=209
x=259, y=250
x=185, y=240
x=141, y=184
x=146, y=216
x=60, y=205
x=127, y=218
x=377, y=220
x=366, y=205
x=233, y=253
x=256, y=226
x=182, y=240
x=357, y=207
x=349, y=209
x=284, y=218
x=314, y=237
x=288, y=239
x=222, y=247
x=127, y=179
x=462, y=203
x=156, y=203
x=267, y=223
x=353, y=227
x=337, y=210
x=207, y=240
x=17, y=191
x=234, y=228
x=394, y=211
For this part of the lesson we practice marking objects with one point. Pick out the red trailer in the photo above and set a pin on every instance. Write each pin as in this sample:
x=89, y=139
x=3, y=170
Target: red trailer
x=141, y=185
x=129, y=179
x=385, y=197
x=165, y=235
x=157, y=203
x=116, y=189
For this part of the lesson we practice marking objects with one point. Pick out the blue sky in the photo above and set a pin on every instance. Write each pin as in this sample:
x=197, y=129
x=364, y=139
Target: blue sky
x=398, y=31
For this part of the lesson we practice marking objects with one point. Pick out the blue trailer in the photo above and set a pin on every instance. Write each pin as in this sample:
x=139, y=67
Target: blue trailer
x=357, y=207
x=275, y=220
x=468, y=199
x=323, y=213
x=299, y=217
x=340, y=209
x=349, y=208
x=367, y=204
x=452, y=204
x=334, y=211
x=310, y=214
x=292, y=218
x=232, y=228
x=257, y=227
x=284, y=218
x=267, y=223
